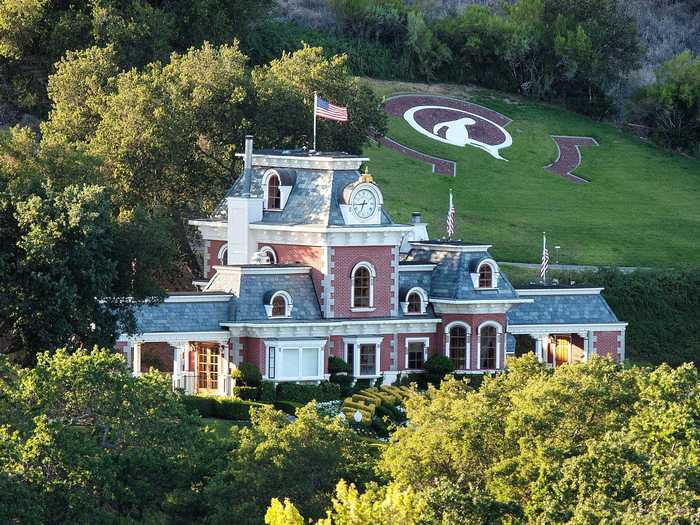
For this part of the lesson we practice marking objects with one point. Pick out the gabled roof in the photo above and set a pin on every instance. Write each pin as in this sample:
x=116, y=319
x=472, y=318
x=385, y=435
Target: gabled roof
x=193, y=316
x=564, y=306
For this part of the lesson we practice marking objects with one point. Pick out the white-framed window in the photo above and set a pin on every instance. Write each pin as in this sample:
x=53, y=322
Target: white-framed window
x=458, y=344
x=362, y=287
x=363, y=354
x=280, y=305
x=489, y=345
x=486, y=275
x=415, y=301
x=270, y=252
x=223, y=254
x=416, y=351
x=295, y=360
x=273, y=190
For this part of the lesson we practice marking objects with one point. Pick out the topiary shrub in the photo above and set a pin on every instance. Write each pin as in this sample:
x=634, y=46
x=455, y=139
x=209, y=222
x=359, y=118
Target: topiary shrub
x=439, y=365
x=247, y=374
x=336, y=365
x=249, y=393
x=288, y=407
x=220, y=407
x=325, y=391
x=267, y=392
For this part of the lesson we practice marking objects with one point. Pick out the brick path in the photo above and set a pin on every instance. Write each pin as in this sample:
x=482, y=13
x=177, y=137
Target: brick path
x=569, y=156
x=444, y=166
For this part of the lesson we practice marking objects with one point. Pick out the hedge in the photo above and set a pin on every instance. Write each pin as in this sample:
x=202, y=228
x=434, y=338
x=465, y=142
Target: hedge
x=324, y=391
x=249, y=393
x=221, y=407
x=288, y=407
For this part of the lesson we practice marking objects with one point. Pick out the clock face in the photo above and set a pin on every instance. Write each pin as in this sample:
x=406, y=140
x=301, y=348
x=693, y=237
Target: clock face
x=364, y=203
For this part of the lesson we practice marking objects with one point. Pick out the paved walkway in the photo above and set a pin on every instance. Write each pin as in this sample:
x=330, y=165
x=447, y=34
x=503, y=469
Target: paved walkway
x=575, y=267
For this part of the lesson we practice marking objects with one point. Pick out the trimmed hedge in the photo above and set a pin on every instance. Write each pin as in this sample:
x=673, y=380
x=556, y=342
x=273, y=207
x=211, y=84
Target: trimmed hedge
x=267, y=392
x=248, y=393
x=325, y=391
x=220, y=407
x=288, y=407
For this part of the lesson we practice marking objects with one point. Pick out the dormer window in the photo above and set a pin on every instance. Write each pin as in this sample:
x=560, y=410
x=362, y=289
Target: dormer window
x=270, y=253
x=274, y=195
x=279, y=305
x=414, y=301
x=485, y=276
x=362, y=282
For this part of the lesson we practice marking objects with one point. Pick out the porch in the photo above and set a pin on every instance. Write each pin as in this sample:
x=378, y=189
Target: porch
x=555, y=348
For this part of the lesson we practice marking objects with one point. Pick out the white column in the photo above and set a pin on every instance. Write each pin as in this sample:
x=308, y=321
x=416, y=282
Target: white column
x=538, y=347
x=586, y=345
x=137, y=359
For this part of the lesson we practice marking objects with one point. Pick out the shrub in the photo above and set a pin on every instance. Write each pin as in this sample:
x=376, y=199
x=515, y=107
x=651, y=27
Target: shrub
x=439, y=365
x=325, y=391
x=267, y=392
x=248, y=374
x=246, y=392
x=341, y=379
x=220, y=407
x=337, y=365
x=380, y=427
x=288, y=407
x=361, y=384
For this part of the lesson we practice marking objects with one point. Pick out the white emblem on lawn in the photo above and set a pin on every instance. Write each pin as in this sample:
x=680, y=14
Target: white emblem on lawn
x=457, y=130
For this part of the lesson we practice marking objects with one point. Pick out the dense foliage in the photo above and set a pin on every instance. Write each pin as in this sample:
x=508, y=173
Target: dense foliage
x=585, y=444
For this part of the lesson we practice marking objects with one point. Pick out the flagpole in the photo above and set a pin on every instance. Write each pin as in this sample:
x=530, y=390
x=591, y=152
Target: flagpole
x=544, y=247
x=315, y=104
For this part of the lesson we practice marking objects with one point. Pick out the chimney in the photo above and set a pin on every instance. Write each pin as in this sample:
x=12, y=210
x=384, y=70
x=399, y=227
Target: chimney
x=248, y=158
x=416, y=217
x=418, y=233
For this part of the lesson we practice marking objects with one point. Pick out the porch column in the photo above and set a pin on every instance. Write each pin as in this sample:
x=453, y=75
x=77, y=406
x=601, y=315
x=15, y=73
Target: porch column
x=136, y=361
x=586, y=345
x=538, y=347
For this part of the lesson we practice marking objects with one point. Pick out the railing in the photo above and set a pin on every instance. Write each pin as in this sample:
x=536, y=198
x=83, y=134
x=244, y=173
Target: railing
x=186, y=382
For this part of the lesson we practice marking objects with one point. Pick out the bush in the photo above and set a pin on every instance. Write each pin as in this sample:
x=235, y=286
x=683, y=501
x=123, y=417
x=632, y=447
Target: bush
x=343, y=380
x=288, y=407
x=220, y=407
x=337, y=365
x=325, y=391
x=267, y=392
x=439, y=365
x=246, y=392
x=248, y=374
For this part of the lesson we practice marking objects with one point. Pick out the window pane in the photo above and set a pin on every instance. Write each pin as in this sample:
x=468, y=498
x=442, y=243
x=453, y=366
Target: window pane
x=414, y=303
x=485, y=277
x=271, y=363
x=290, y=363
x=488, y=347
x=361, y=285
x=415, y=355
x=309, y=362
x=274, y=197
x=368, y=355
x=458, y=347
x=351, y=357
x=279, y=306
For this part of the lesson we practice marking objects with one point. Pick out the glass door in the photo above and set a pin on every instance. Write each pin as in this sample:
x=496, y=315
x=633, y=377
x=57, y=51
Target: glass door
x=208, y=369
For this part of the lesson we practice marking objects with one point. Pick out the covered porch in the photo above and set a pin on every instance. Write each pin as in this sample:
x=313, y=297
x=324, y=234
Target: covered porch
x=555, y=348
x=198, y=362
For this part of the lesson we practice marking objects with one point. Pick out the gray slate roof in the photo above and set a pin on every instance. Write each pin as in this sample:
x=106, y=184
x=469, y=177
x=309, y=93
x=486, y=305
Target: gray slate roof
x=451, y=277
x=315, y=197
x=182, y=317
x=562, y=309
x=255, y=289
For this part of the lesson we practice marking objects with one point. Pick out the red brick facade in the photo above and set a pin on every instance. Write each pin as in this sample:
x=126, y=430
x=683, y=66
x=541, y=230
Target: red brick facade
x=474, y=321
x=309, y=255
x=607, y=344
x=212, y=252
x=401, y=347
x=158, y=356
x=343, y=260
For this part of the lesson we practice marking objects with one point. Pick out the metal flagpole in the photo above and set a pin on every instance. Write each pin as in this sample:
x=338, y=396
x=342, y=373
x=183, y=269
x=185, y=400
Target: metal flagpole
x=315, y=104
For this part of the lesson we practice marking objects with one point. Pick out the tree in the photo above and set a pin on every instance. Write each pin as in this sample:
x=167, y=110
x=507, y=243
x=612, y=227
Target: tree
x=671, y=105
x=284, y=93
x=300, y=460
x=426, y=52
x=92, y=443
x=68, y=261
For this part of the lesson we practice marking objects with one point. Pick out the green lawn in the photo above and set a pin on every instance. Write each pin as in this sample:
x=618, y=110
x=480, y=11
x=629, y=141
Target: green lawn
x=222, y=427
x=641, y=208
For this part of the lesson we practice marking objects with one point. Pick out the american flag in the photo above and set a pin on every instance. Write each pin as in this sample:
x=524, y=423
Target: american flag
x=325, y=109
x=451, y=218
x=545, y=258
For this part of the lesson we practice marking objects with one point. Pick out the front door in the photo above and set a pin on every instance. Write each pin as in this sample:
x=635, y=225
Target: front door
x=562, y=349
x=208, y=369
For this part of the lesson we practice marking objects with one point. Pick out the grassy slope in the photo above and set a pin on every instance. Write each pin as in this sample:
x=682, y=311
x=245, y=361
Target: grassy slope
x=642, y=207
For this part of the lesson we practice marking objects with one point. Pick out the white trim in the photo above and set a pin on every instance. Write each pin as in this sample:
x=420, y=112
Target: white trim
x=222, y=252
x=423, y=300
x=271, y=253
x=356, y=342
x=468, y=342
x=265, y=183
x=499, y=332
x=495, y=273
x=564, y=328
x=303, y=161
x=452, y=247
x=319, y=235
x=294, y=344
x=559, y=291
x=263, y=269
x=288, y=305
x=480, y=301
x=372, y=276
x=166, y=337
x=416, y=267
x=198, y=298
x=408, y=340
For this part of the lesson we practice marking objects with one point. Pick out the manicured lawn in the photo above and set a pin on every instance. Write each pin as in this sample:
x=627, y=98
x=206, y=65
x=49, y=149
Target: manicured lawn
x=641, y=208
x=222, y=427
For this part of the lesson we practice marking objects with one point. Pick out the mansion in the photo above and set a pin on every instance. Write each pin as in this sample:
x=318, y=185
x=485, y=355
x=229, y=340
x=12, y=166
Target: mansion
x=303, y=262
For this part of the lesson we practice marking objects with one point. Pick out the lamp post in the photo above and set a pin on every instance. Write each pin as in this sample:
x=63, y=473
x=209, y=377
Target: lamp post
x=557, y=247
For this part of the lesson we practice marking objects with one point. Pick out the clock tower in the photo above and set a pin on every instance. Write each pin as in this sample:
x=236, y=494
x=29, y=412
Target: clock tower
x=362, y=202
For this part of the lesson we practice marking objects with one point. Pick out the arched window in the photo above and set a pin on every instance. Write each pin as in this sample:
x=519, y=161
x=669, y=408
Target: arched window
x=488, y=347
x=415, y=303
x=458, y=347
x=362, y=286
x=271, y=255
x=279, y=306
x=485, y=276
x=223, y=254
x=274, y=196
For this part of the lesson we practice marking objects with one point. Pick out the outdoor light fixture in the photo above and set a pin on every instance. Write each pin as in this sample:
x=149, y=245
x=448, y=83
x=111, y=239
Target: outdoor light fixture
x=357, y=416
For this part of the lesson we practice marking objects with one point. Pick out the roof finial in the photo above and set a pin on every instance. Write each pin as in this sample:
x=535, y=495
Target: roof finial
x=366, y=177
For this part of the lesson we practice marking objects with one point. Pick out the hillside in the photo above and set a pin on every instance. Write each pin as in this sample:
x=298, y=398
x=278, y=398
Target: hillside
x=640, y=207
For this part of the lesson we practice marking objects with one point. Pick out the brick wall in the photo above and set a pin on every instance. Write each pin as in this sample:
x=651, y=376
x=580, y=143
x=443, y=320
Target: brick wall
x=309, y=255
x=253, y=351
x=343, y=260
x=212, y=259
x=157, y=355
x=607, y=344
x=401, y=349
x=473, y=321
